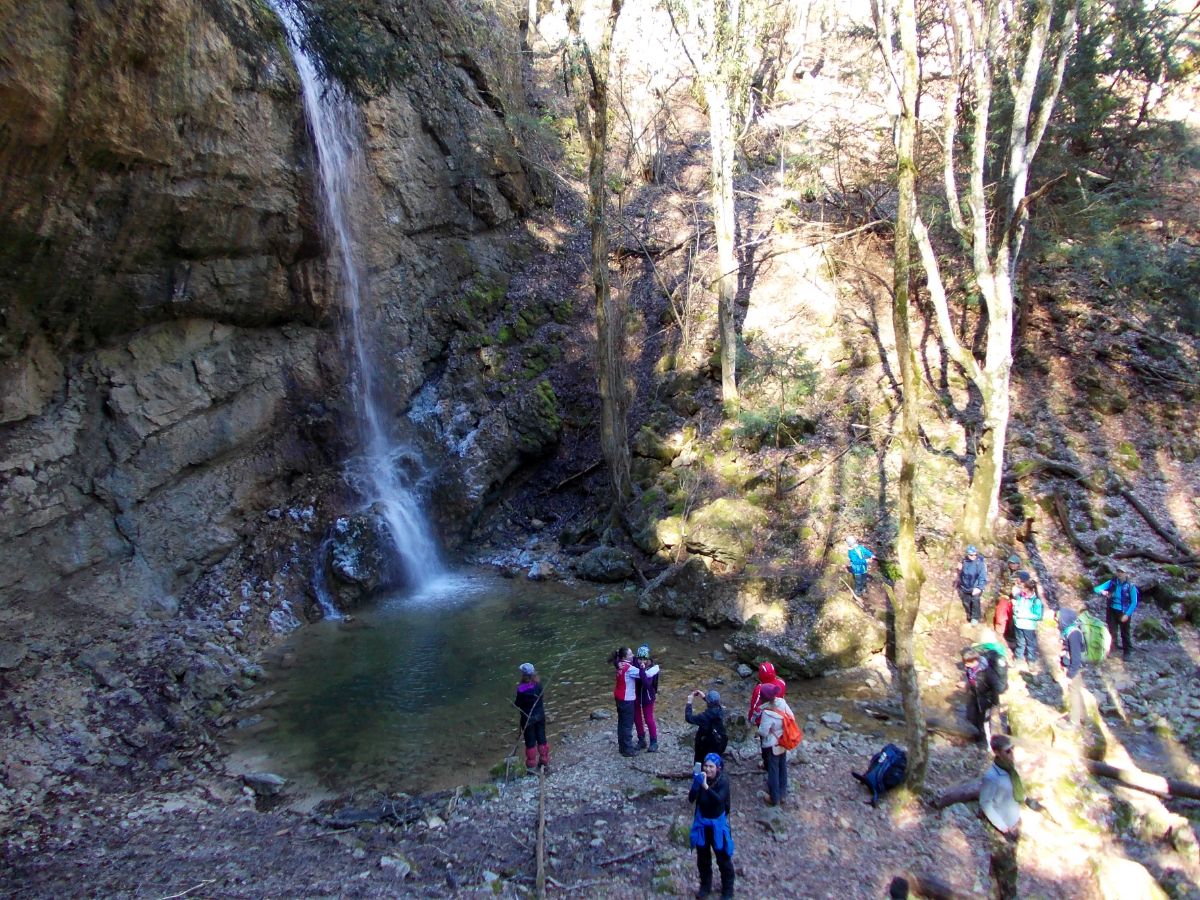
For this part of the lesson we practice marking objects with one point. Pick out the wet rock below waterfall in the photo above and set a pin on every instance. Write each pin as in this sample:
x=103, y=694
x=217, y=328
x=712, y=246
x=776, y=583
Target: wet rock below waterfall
x=357, y=560
x=604, y=564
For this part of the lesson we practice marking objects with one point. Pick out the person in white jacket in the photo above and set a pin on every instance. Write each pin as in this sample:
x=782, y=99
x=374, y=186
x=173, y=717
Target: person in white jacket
x=770, y=730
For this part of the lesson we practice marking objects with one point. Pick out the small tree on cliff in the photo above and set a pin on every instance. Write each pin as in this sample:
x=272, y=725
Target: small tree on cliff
x=899, y=20
x=588, y=75
x=1001, y=93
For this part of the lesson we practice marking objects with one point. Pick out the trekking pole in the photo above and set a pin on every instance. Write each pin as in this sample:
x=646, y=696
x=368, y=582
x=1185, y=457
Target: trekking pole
x=521, y=738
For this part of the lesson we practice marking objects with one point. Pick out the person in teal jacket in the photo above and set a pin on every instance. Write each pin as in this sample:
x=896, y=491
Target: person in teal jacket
x=1027, y=613
x=859, y=556
x=1122, y=599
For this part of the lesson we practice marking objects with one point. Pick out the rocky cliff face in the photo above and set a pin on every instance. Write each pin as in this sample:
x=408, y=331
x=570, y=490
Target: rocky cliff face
x=170, y=364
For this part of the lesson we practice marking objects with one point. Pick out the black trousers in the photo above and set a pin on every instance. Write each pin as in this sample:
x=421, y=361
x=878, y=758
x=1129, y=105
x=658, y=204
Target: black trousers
x=535, y=733
x=1113, y=618
x=625, y=726
x=704, y=857
x=971, y=605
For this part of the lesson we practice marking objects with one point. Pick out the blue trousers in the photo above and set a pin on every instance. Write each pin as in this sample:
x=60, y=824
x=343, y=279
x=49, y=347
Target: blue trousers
x=1026, y=643
x=777, y=786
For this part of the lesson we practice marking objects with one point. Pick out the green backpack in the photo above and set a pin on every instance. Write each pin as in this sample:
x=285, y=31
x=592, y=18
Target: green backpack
x=1097, y=640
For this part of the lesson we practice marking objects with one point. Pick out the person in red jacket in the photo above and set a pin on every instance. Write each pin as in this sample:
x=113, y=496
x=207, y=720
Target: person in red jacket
x=625, y=695
x=766, y=675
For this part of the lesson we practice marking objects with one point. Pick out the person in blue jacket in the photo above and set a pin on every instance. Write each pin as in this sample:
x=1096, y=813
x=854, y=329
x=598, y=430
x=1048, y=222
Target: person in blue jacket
x=972, y=579
x=710, y=825
x=1121, y=596
x=859, y=557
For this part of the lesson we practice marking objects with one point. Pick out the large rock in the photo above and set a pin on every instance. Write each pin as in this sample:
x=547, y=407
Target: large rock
x=822, y=635
x=359, y=558
x=691, y=591
x=722, y=530
x=604, y=564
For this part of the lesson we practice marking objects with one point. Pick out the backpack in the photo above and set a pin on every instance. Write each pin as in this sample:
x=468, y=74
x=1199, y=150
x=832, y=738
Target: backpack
x=885, y=771
x=712, y=734
x=792, y=735
x=1097, y=640
x=997, y=661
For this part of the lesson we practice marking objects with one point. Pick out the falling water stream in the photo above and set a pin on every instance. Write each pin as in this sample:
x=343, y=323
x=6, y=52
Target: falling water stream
x=377, y=473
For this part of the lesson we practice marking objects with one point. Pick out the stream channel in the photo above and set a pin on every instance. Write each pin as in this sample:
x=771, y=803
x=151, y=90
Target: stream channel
x=415, y=693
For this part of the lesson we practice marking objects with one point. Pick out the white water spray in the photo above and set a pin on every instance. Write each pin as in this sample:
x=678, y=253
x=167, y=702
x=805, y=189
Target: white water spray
x=378, y=473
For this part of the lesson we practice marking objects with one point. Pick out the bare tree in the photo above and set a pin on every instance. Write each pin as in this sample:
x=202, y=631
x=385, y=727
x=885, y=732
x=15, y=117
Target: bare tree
x=994, y=46
x=894, y=20
x=588, y=74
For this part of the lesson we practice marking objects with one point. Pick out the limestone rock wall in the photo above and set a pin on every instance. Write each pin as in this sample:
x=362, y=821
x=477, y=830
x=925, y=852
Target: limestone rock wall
x=170, y=365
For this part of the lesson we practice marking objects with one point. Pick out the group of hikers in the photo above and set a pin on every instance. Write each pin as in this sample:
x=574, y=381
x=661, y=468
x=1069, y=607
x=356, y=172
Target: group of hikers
x=1019, y=609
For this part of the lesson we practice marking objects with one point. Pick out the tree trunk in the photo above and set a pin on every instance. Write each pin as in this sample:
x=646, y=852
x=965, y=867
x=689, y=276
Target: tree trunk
x=982, y=507
x=720, y=127
x=907, y=597
x=591, y=114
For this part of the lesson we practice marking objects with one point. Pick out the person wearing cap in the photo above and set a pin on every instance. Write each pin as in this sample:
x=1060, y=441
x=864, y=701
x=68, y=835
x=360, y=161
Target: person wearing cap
x=1001, y=793
x=645, y=694
x=710, y=825
x=532, y=705
x=972, y=579
x=1122, y=599
x=711, y=736
x=1027, y=614
x=770, y=730
x=1072, y=663
x=859, y=557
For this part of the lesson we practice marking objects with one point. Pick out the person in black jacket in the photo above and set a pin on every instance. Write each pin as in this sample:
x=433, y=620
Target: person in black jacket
x=710, y=825
x=532, y=706
x=710, y=724
x=983, y=692
x=972, y=579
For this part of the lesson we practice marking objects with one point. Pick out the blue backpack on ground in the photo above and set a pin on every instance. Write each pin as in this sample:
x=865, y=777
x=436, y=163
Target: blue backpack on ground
x=885, y=771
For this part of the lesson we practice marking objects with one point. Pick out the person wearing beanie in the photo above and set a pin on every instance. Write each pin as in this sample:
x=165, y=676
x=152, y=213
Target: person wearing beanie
x=983, y=691
x=643, y=703
x=972, y=579
x=1027, y=615
x=532, y=705
x=770, y=730
x=710, y=825
x=710, y=724
x=1001, y=793
x=1121, y=595
x=1072, y=663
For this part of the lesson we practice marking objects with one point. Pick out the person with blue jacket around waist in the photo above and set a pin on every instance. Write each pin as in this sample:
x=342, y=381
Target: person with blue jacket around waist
x=710, y=825
x=972, y=579
x=1122, y=599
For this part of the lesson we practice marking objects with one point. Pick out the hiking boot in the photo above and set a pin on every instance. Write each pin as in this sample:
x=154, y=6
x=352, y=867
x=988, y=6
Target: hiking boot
x=633, y=751
x=653, y=746
x=703, y=892
x=641, y=744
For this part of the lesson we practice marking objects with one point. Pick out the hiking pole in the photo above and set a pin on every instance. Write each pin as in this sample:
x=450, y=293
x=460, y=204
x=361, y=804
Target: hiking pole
x=512, y=755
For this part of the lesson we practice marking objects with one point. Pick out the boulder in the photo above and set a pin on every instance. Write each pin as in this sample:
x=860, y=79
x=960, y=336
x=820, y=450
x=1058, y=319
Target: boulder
x=823, y=635
x=358, y=555
x=1118, y=878
x=604, y=564
x=722, y=530
x=264, y=784
x=690, y=590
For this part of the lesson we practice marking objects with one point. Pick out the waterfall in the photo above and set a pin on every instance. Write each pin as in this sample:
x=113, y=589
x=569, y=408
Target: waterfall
x=378, y=473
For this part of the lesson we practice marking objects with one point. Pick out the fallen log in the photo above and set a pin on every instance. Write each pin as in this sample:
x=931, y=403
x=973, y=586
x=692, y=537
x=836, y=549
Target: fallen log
x=904, y=886
x=933, y=723
x=1129, y=776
